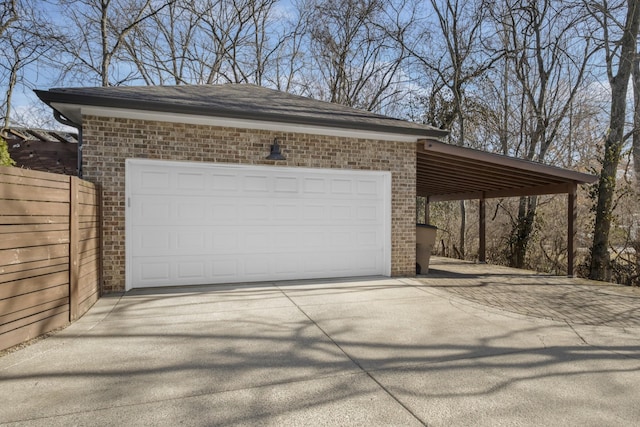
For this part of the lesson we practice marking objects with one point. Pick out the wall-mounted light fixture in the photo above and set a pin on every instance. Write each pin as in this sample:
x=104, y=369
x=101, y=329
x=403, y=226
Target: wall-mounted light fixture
x=275, y=154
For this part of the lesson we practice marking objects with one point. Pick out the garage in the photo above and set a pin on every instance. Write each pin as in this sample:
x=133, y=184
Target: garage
x=192, y=193
x=190, y=223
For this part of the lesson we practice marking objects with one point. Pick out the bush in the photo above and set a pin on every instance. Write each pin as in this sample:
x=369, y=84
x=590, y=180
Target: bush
x=5, y=158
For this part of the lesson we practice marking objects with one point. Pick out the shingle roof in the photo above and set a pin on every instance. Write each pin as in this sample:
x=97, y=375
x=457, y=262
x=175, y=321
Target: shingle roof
x=43, y=150
x=241, y=101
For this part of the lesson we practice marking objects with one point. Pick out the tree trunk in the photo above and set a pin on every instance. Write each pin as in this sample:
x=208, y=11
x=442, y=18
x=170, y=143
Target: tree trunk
x=636, y=120
x=600, y=265
x=636, y=162
x=10, y=14
x=104, y=40
x=523, y=230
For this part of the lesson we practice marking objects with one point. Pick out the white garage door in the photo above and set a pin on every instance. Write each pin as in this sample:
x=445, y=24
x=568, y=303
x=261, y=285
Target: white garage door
x=199, y=223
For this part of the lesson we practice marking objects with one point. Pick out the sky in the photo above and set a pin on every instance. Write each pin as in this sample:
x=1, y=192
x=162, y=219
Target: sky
x=27, y=106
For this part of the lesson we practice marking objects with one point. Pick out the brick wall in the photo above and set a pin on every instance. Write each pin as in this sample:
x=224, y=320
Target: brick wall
x=107, y=142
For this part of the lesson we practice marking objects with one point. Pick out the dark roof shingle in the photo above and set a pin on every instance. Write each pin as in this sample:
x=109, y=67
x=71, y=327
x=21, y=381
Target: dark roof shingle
x=242, y=101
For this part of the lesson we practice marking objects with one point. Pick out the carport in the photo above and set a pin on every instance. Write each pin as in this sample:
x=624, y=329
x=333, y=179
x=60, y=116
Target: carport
x=446, y=173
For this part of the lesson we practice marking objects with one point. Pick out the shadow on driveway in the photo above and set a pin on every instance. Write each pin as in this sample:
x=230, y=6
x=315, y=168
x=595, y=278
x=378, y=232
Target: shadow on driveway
x=372, y=351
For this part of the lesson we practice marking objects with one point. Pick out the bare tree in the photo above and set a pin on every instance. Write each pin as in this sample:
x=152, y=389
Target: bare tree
x=8, y=15
x=234, y=43
x=18, y=50
x=96, y=34
x=619, y=53
x=354, y=60
x=162, y=47
x=452, y=55
x=290, y=61
x=25, y=38
x=548, y=53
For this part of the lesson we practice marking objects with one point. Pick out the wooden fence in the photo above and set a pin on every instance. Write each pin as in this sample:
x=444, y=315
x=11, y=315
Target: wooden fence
x=49, y=252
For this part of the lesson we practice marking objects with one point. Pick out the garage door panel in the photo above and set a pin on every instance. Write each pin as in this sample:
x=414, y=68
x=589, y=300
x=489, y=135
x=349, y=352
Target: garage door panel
x=224, y=212
x=256, y=213
x=256, y=241
x=367, y=187
x=313, y=266
x=286, y=264
x=368, y=239
x=157, y=209
x=169, y=271
x=341, y=187
x=255, y=183
x=368, y=213
x=155, y=270
x=153, y=179
x=344, y=239
x=313, y=213
x=153, y=211
x=192, y=211
x=224, y=183
x=286, y=212
x=192, y=182
x=286, y=185
x=367, y=261
x=191, y=270
x=225, y=241
x=190, y=223
x=225, y=269
x=314, y=186
x=289, y=239
x=148, y=241
x=192, y=240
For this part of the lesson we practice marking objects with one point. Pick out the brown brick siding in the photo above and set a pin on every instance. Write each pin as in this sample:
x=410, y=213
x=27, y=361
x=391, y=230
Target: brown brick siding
x=108, y=142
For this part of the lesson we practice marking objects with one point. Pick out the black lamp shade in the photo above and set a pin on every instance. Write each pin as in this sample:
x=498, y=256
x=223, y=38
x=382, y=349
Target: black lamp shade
x=275, y=154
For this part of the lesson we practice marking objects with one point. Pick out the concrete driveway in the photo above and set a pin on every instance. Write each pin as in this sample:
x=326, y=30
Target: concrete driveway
x=373, y=351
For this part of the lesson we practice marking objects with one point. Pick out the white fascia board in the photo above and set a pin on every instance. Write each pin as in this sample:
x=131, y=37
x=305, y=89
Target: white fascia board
x=243, y=123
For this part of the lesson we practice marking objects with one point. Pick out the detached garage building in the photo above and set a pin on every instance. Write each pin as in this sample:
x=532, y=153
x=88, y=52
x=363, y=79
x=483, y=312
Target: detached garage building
x=237, y=183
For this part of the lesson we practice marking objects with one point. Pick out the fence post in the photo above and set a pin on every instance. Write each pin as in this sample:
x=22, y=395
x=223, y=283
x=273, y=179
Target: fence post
x=74, y=236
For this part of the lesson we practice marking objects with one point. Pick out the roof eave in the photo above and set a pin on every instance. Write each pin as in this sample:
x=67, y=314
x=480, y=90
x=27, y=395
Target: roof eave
x=50, y=97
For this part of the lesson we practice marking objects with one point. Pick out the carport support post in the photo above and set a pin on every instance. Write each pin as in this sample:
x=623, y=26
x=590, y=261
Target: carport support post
x=426, y=210
x=572, y=216
x=482, y=250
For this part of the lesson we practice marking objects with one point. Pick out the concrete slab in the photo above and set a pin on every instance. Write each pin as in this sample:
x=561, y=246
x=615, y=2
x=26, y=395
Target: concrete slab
x=153, y=353
x=343, y=400
x=427, y=326
x=372, y=351
x=568, y=386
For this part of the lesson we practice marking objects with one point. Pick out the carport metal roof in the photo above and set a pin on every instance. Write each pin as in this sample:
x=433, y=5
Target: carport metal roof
x=448, y=172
